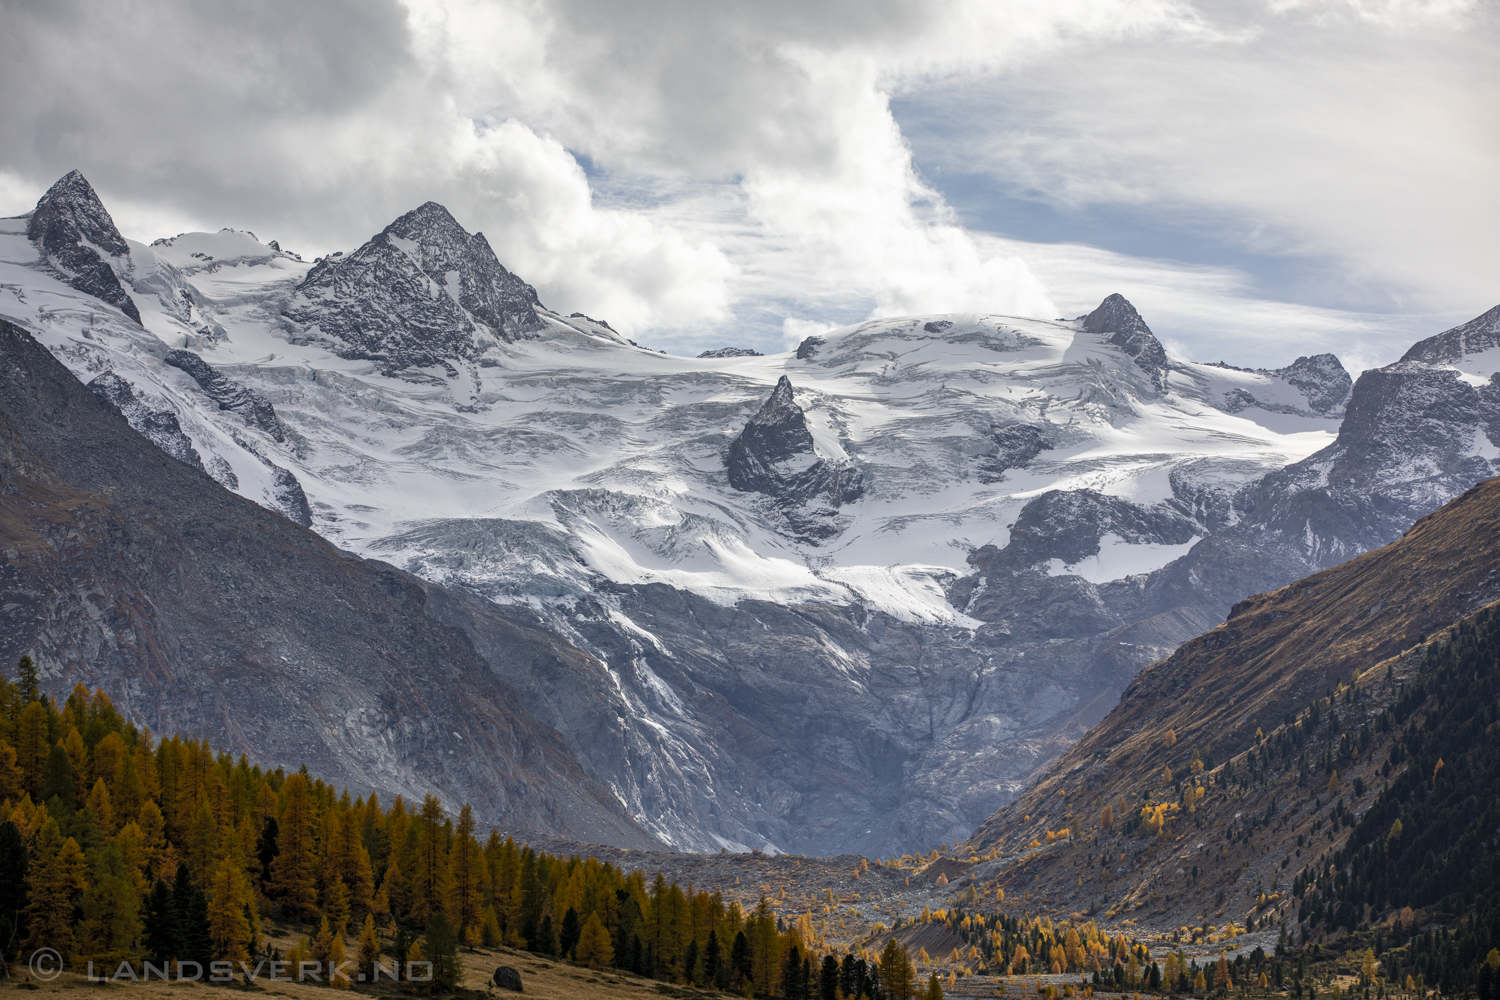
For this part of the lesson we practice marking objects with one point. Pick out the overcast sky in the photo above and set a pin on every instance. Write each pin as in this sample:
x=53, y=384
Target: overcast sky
x=1263, y=178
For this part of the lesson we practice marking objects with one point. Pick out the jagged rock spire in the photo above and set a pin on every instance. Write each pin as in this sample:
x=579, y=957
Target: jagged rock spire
x=421, y=292
x=71, y=227
x=1117, y=317
x=774, y=455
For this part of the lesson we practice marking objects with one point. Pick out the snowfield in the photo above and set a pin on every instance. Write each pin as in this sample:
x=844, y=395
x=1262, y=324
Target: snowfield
x=572, y=455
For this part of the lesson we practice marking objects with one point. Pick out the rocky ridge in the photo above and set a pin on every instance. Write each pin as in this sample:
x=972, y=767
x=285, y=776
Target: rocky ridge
x=421, y=293
x=208, y=615
x=756, y=687
x=71, y=227
x=1239, y=700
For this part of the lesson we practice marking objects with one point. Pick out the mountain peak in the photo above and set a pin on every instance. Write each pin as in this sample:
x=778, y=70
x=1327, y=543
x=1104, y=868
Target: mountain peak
x=1478, y=334
x=74, y=231
x=780, y=406
x=431, y=220
x=1117, y=317
x=423, y=292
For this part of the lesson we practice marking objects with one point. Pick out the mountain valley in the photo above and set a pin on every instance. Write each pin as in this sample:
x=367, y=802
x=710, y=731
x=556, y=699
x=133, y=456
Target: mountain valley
x=846, y=599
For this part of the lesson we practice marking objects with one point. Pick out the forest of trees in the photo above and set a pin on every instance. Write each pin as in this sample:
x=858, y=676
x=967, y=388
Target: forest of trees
x=116, y=847
x=1429, y=842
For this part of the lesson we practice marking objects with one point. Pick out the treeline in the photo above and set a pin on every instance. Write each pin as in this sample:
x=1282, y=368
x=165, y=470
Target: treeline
x=1428, y=842
x=115, y=846
x=1009, y=945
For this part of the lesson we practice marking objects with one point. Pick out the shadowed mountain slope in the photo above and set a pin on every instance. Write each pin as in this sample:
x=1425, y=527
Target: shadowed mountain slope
x=1291, y=688
x=212, y=616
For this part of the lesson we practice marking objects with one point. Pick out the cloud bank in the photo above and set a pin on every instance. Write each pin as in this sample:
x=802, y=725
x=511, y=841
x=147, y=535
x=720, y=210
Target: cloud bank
x=706, y=173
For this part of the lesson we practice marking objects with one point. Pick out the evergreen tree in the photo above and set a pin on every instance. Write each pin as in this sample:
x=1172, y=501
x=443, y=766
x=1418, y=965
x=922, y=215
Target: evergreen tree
x=161, y=933
x=57, y=779
x=711, y=959
x=934, y=989
x=567, y=938
x=27, y=680
x=266, y=849
x=196, y=943
x=14, y=863
x=791, y=974
x=442, y=952
x=828, y=978
x=740, y=961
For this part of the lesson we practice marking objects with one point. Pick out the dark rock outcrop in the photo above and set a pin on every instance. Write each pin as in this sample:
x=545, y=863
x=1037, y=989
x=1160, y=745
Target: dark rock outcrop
x=205, y=614
x=71, y=227
x=229, y=394
x=160, y=427
x=287, y=496
x=731, y=352
x=774, y=455
x=423, y=292
x=1068, y=524
x=1014, y=448
x=808, y=348
x=1479, y=334
x=1118, y=318
x=508, y=978
x=1322, y=380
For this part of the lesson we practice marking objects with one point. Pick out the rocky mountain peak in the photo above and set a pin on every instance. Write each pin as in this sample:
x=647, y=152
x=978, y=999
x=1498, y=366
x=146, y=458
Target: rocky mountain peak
x=423, y=292
x=1118, y=318
x=782, y=408
x=1479, y=334
x=1322, y=379
x=775, y=455
x=73, y=230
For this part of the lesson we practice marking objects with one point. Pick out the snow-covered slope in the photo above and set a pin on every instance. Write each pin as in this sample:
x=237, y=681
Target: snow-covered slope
x=552, y=465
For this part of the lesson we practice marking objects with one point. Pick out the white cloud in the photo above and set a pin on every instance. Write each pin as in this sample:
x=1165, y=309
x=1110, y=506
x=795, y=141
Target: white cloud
x=744, y=162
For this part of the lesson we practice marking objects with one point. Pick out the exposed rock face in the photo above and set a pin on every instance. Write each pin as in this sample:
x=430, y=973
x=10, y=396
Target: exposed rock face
x=160, y=427
x=76, y=234
x=731, y=352
x=286, y=495
x=1068, y=524
x=1477, y=335
x=808, y=348
x=1118, y=318
x=774, y=455
x=1015, y=447
x=423, y=292
x=1321, y=379
x=229, y=394
x=205, y=614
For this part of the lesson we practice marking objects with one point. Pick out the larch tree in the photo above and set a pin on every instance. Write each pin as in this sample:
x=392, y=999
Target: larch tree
x=57, y=881
x=292, y=873
x=594, y=946
x=426, y=877
x=464, y=897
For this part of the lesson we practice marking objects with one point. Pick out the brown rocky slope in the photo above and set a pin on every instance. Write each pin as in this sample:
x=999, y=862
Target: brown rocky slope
x=1290, y=688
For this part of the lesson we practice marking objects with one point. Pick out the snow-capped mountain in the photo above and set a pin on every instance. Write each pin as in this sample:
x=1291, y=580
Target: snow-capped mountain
x=846, y=597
